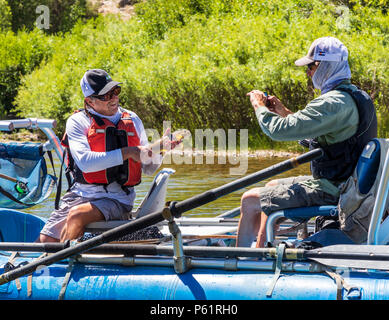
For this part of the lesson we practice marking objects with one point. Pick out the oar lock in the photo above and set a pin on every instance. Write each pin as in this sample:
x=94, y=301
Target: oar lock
x=169, y=210
x=167, y=214
x=181, y=262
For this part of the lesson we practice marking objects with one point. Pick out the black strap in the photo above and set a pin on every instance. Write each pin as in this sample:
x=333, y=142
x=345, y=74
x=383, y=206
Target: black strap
x=10, y=196
x=98, y=120
x=126, y=190
x=59, y=185
x=52, y=161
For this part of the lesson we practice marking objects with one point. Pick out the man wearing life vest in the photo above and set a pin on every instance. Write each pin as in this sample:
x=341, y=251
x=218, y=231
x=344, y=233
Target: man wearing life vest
x=340, y=121
x=107, y=151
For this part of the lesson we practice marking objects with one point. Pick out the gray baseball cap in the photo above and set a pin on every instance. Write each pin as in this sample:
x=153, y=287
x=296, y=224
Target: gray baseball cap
x=97, y=82
x=324, y=49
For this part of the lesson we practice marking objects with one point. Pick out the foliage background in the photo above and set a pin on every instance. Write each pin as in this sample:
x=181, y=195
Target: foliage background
x=188, y=61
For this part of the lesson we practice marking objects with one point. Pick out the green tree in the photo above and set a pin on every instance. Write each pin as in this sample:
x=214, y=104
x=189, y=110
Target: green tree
x=5, y=16
x=20, y=54
x=63, y=13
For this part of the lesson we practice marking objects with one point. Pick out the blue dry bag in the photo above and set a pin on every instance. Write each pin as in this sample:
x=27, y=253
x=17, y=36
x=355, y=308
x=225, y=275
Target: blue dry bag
x=24, y=180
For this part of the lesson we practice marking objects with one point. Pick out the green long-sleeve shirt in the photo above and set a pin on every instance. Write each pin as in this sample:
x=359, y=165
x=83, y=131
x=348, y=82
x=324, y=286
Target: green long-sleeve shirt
x=331, y=117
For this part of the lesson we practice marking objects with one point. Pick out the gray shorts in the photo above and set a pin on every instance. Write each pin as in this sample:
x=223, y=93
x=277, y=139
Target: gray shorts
x=291, y=193
x=110, y=208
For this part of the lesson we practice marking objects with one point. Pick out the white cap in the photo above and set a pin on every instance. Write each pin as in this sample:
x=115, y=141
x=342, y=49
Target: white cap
x=324, y=49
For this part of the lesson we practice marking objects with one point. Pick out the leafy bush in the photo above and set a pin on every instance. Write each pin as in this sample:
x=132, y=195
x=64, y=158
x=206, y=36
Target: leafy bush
x=20, y=54
x=53, y=90
x=192, y=62
x=63, y=13
x=379, y=4
x=5, y=16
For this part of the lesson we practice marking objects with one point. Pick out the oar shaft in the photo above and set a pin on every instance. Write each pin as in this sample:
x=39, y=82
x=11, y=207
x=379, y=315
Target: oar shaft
x=49, y=247
x=198, y=251
x=149, y=249
x=346, y=255
x=267, y=173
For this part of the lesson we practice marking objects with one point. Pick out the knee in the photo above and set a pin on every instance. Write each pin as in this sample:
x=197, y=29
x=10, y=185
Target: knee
x=74, y=217
x=271, y=183
x=44, y=238
x=250, y=202
x=250, y=196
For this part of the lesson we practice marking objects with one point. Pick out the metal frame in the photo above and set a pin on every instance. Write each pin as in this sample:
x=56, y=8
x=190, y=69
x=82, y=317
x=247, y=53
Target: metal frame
x=45, y=125
x=379, y=205
x=271, y=220
x=213, y=263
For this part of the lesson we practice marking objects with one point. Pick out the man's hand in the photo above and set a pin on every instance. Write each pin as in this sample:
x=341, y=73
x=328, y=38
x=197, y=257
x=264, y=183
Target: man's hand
x=276, y=106
x=260, y=99
x=138, y=154
x=170, y=141
x=166, y=143
x=257, y=99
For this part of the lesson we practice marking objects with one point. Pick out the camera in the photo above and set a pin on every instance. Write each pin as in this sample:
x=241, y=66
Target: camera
x=267, y=103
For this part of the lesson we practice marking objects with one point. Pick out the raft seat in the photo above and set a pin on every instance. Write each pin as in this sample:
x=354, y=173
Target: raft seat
x=16, y=226
x=298, y=215
x=153, y=201
x=367, y=168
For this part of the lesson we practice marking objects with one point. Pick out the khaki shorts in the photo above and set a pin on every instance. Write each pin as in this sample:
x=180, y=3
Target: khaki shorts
x=290, y=193
x=110, y=208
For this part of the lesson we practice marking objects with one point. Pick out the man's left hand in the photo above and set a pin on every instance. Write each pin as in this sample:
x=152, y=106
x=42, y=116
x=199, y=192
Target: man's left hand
x=167, y=143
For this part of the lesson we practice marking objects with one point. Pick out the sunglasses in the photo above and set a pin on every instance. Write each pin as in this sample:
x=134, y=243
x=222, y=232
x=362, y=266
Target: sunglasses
x=109, y=95
x=311, y=65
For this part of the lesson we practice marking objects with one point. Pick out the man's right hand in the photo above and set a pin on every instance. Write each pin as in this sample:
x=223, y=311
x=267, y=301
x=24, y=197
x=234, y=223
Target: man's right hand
x=260, y=99
x=276, y=106
x=138, y=154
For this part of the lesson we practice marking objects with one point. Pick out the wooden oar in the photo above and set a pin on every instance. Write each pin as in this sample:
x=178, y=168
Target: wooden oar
x=341, y=256
x=175, y=210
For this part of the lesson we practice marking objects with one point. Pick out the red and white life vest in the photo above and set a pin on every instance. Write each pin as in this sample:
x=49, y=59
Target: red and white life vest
x=105, y=136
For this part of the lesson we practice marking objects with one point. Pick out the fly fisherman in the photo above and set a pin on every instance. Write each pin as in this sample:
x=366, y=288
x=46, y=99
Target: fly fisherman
x=108, y=151
x=335, y=121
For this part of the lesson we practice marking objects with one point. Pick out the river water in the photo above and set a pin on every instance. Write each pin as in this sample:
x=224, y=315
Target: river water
x=194, y=178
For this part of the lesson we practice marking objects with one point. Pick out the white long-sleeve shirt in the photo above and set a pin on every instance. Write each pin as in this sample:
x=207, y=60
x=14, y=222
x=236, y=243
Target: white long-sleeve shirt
x=90, y=161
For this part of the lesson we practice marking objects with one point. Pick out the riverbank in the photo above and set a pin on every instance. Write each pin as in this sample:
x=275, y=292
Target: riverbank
x=229, y=154
x=25, y=135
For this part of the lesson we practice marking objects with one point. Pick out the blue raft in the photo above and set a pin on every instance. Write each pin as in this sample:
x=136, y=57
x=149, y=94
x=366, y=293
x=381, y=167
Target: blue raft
x=147, y=277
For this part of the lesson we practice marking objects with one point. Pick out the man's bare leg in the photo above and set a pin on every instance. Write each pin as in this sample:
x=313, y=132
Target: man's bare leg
x=253, y=220
x=261, y=237
x=79, y=216
x=250, y=219
x=44, y=238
